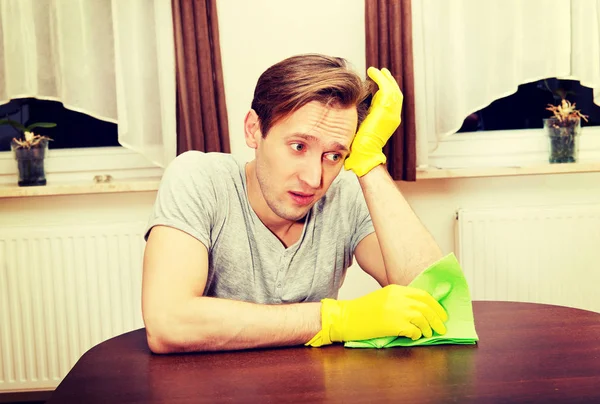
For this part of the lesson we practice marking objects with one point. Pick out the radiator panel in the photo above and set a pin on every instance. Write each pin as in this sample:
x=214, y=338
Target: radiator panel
x=62, y=291
x=532, y=254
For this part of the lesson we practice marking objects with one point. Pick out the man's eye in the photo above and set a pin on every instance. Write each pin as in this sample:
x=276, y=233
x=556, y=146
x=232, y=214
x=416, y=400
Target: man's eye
x=333, y=157
x=297, y=146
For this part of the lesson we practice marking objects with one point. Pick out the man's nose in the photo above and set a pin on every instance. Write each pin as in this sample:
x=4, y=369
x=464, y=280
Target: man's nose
x=311, y=172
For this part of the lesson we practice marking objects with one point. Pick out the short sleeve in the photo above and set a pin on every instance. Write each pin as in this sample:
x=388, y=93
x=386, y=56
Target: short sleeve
x=362, y=220
x=186, y=198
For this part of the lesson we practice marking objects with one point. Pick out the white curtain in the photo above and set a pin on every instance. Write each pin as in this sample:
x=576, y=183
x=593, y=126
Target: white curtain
x=469, y=53
x=113, y=60
x=585, y=44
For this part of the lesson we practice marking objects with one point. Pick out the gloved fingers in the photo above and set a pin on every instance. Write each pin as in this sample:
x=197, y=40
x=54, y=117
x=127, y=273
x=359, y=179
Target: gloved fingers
x=410, y=331
x=389, y=93
x=377, y=76
x=433, y=304
x=380, y=80
x=433, y=320
x=388, y=88
x=422, y=323
x=393, y=89
x=393, y=83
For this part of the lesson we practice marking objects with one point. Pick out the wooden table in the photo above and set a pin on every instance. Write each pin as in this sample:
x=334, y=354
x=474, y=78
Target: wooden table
x=527, y=353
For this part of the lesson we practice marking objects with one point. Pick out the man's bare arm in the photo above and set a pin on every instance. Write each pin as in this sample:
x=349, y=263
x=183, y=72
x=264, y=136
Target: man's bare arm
x=401, y=246
x=179, y=319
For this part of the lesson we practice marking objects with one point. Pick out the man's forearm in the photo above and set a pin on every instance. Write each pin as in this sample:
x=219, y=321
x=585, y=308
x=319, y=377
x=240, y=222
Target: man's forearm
x=212, y=324
x=406, y=245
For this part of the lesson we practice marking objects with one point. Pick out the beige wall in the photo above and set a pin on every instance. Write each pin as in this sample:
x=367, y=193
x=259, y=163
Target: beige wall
x=256, y=34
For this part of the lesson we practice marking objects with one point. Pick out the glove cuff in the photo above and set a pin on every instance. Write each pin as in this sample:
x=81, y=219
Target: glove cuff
x=330, y=314
x=317, y=340
x=365, y=165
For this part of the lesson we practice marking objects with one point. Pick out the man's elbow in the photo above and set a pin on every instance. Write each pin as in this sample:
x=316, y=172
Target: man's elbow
x=161, y=336
x=168, y=334
x=159, y=345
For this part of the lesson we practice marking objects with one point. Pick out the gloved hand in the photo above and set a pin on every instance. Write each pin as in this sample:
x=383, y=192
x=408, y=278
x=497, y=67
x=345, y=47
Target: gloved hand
x=383, y=118
x=391, y=311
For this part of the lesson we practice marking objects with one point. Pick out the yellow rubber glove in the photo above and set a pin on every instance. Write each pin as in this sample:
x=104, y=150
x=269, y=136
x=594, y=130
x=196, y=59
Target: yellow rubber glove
x=391, y=311
x=383, y=118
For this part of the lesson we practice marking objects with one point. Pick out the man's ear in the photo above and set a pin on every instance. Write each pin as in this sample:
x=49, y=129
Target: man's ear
x=252, y=131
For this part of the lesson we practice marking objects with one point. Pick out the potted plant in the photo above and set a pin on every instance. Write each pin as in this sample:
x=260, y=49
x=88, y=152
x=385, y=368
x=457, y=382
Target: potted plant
x=564, y=129
x=30, y=151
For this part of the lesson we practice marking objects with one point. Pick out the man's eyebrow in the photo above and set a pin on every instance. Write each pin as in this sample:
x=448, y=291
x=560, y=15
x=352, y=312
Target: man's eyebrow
x=337, y=146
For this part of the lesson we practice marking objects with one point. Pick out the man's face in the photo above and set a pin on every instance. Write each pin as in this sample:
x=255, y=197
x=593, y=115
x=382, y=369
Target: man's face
x=301, y=156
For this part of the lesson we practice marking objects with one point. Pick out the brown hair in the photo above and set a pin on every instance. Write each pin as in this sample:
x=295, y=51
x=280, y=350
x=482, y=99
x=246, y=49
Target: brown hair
x=294, y=82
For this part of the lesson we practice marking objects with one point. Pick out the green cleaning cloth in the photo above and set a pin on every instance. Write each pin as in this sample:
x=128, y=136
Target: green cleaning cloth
x=445, y=281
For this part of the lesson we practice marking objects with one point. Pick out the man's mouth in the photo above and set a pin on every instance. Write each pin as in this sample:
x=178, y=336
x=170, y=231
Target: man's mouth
x=302, y=198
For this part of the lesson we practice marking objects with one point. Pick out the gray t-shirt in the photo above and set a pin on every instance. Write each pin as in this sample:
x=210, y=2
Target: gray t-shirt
x=204, y=195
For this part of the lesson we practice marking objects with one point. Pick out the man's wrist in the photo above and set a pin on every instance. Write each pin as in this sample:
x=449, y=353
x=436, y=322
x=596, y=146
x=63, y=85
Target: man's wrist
x=330, y=315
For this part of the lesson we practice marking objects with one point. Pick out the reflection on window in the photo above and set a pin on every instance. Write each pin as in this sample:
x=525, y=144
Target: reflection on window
x=73, y=130
x=526, y=109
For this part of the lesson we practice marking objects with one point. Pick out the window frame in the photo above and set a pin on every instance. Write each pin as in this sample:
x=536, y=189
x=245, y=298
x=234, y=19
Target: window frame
x=506, y=148
x=83, y=164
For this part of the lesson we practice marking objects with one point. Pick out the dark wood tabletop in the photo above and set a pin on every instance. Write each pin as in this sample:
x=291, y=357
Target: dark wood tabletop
x=527, y=353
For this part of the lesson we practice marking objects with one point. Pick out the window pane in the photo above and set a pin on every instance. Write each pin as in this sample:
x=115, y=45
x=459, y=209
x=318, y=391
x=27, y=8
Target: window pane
x=73, y=130
x=526, y=108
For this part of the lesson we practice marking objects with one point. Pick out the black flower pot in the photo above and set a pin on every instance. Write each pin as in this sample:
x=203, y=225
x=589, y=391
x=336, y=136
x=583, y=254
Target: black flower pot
x=31, y=164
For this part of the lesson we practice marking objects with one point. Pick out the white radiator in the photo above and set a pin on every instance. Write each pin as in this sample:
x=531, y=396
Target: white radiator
x=62, y=291
x=532, y=254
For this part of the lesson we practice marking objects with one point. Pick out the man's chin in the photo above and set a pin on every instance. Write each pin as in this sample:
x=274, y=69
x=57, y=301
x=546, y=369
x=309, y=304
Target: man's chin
x=297, y=216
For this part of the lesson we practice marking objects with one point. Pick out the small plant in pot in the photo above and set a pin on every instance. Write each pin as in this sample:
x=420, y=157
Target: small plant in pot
x=564, y=129
x=30, y=150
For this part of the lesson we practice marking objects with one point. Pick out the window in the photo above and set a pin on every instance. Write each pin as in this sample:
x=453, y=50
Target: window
x=73, y=130
x=82, y=146
x=526, y=108
x=469, y=54
x=508, y=132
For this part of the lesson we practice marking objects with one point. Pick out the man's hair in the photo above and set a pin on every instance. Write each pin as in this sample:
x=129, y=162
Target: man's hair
x=294, y=82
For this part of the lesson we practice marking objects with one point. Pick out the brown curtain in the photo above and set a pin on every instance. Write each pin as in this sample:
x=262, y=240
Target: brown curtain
x=201, y=110
x=388, y=29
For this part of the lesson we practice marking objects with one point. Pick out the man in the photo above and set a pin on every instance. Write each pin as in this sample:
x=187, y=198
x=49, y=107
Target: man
x=253, y=255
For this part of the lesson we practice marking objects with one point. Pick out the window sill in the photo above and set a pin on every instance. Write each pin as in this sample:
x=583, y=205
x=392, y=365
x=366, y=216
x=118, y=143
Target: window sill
x=79, y=188
x=470, y=172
